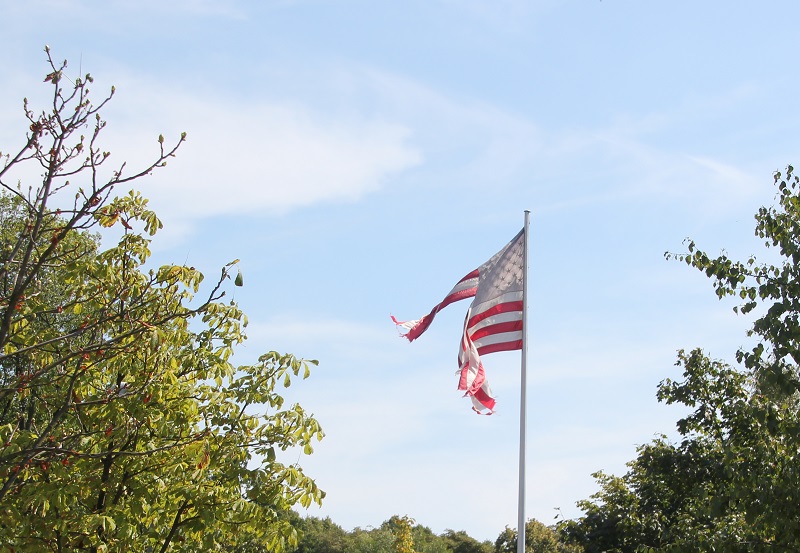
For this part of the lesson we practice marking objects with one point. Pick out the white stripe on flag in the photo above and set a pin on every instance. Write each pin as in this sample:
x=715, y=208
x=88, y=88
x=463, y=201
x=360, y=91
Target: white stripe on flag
x=465, y=285
x=508, y=297
x=507, y=317
x=501, y=338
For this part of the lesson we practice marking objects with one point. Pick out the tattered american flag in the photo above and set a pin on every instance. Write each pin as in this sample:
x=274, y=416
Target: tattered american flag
x=493, y=321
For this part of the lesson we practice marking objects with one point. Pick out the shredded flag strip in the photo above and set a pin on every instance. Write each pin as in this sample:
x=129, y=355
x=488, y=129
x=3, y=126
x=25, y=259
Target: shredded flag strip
x=493, y=322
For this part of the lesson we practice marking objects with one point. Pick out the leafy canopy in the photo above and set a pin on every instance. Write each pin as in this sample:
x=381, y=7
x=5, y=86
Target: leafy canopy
x=733, y=481
x=123, y=423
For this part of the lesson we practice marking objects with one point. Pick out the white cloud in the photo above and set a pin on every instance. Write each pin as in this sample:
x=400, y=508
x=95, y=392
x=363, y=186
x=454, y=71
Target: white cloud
x=622, y=160
x=268, y=155
x=253, y=157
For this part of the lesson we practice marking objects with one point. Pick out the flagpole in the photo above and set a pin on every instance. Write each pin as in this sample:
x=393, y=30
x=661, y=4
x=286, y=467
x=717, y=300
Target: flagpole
x=523, y=392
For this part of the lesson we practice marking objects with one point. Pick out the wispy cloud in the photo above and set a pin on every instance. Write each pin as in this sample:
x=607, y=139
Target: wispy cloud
x=255, y=157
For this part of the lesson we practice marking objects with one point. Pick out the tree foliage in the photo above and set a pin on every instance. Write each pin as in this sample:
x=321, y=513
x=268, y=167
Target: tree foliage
x=461, y=542
x=732, y=483
x=538, y=539
x=123, y=423
x=324, y=536
x=321, y=536
x=401, y=530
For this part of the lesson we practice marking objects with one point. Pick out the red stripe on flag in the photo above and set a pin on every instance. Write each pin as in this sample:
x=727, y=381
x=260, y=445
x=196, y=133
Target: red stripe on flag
x=457, y=296
x=485, y=399
x=502, y=346
x=452, y=297
x=471, y=274
x=476, y=383
x=498, y=328
x=494, y=310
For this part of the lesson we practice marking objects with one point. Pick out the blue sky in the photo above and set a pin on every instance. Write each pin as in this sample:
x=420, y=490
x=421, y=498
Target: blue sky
x=360, y=157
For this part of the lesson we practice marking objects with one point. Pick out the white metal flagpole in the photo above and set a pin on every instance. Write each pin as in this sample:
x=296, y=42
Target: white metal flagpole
x=523, y=392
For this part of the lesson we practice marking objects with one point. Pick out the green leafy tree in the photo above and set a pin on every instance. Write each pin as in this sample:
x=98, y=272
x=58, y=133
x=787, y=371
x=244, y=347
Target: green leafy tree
x=461, y=542
x=123, y=423
x=374, y=540
x=538, y=539
x=425, y=541
x=324, y=536
x=321, y=536
x=733, y=481
x=608, y=523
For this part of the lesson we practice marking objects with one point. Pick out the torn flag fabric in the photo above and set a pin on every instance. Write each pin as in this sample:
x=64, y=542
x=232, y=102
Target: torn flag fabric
x=493, y=321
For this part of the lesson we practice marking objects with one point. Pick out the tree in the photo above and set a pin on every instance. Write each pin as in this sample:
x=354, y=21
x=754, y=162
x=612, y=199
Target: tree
x=461, y=542
x=123, y=423
x=538, y=539
x=608, y=523
x=425, y=541
x=374, y=540
x=324, y=536
x=733, y=481
x=321, y=536
x=401, y=528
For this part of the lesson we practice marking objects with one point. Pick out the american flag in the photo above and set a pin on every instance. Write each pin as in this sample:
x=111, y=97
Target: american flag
x=493, y=321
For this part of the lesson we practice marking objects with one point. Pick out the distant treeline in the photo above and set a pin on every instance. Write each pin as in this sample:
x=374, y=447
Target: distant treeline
x=322, y=535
